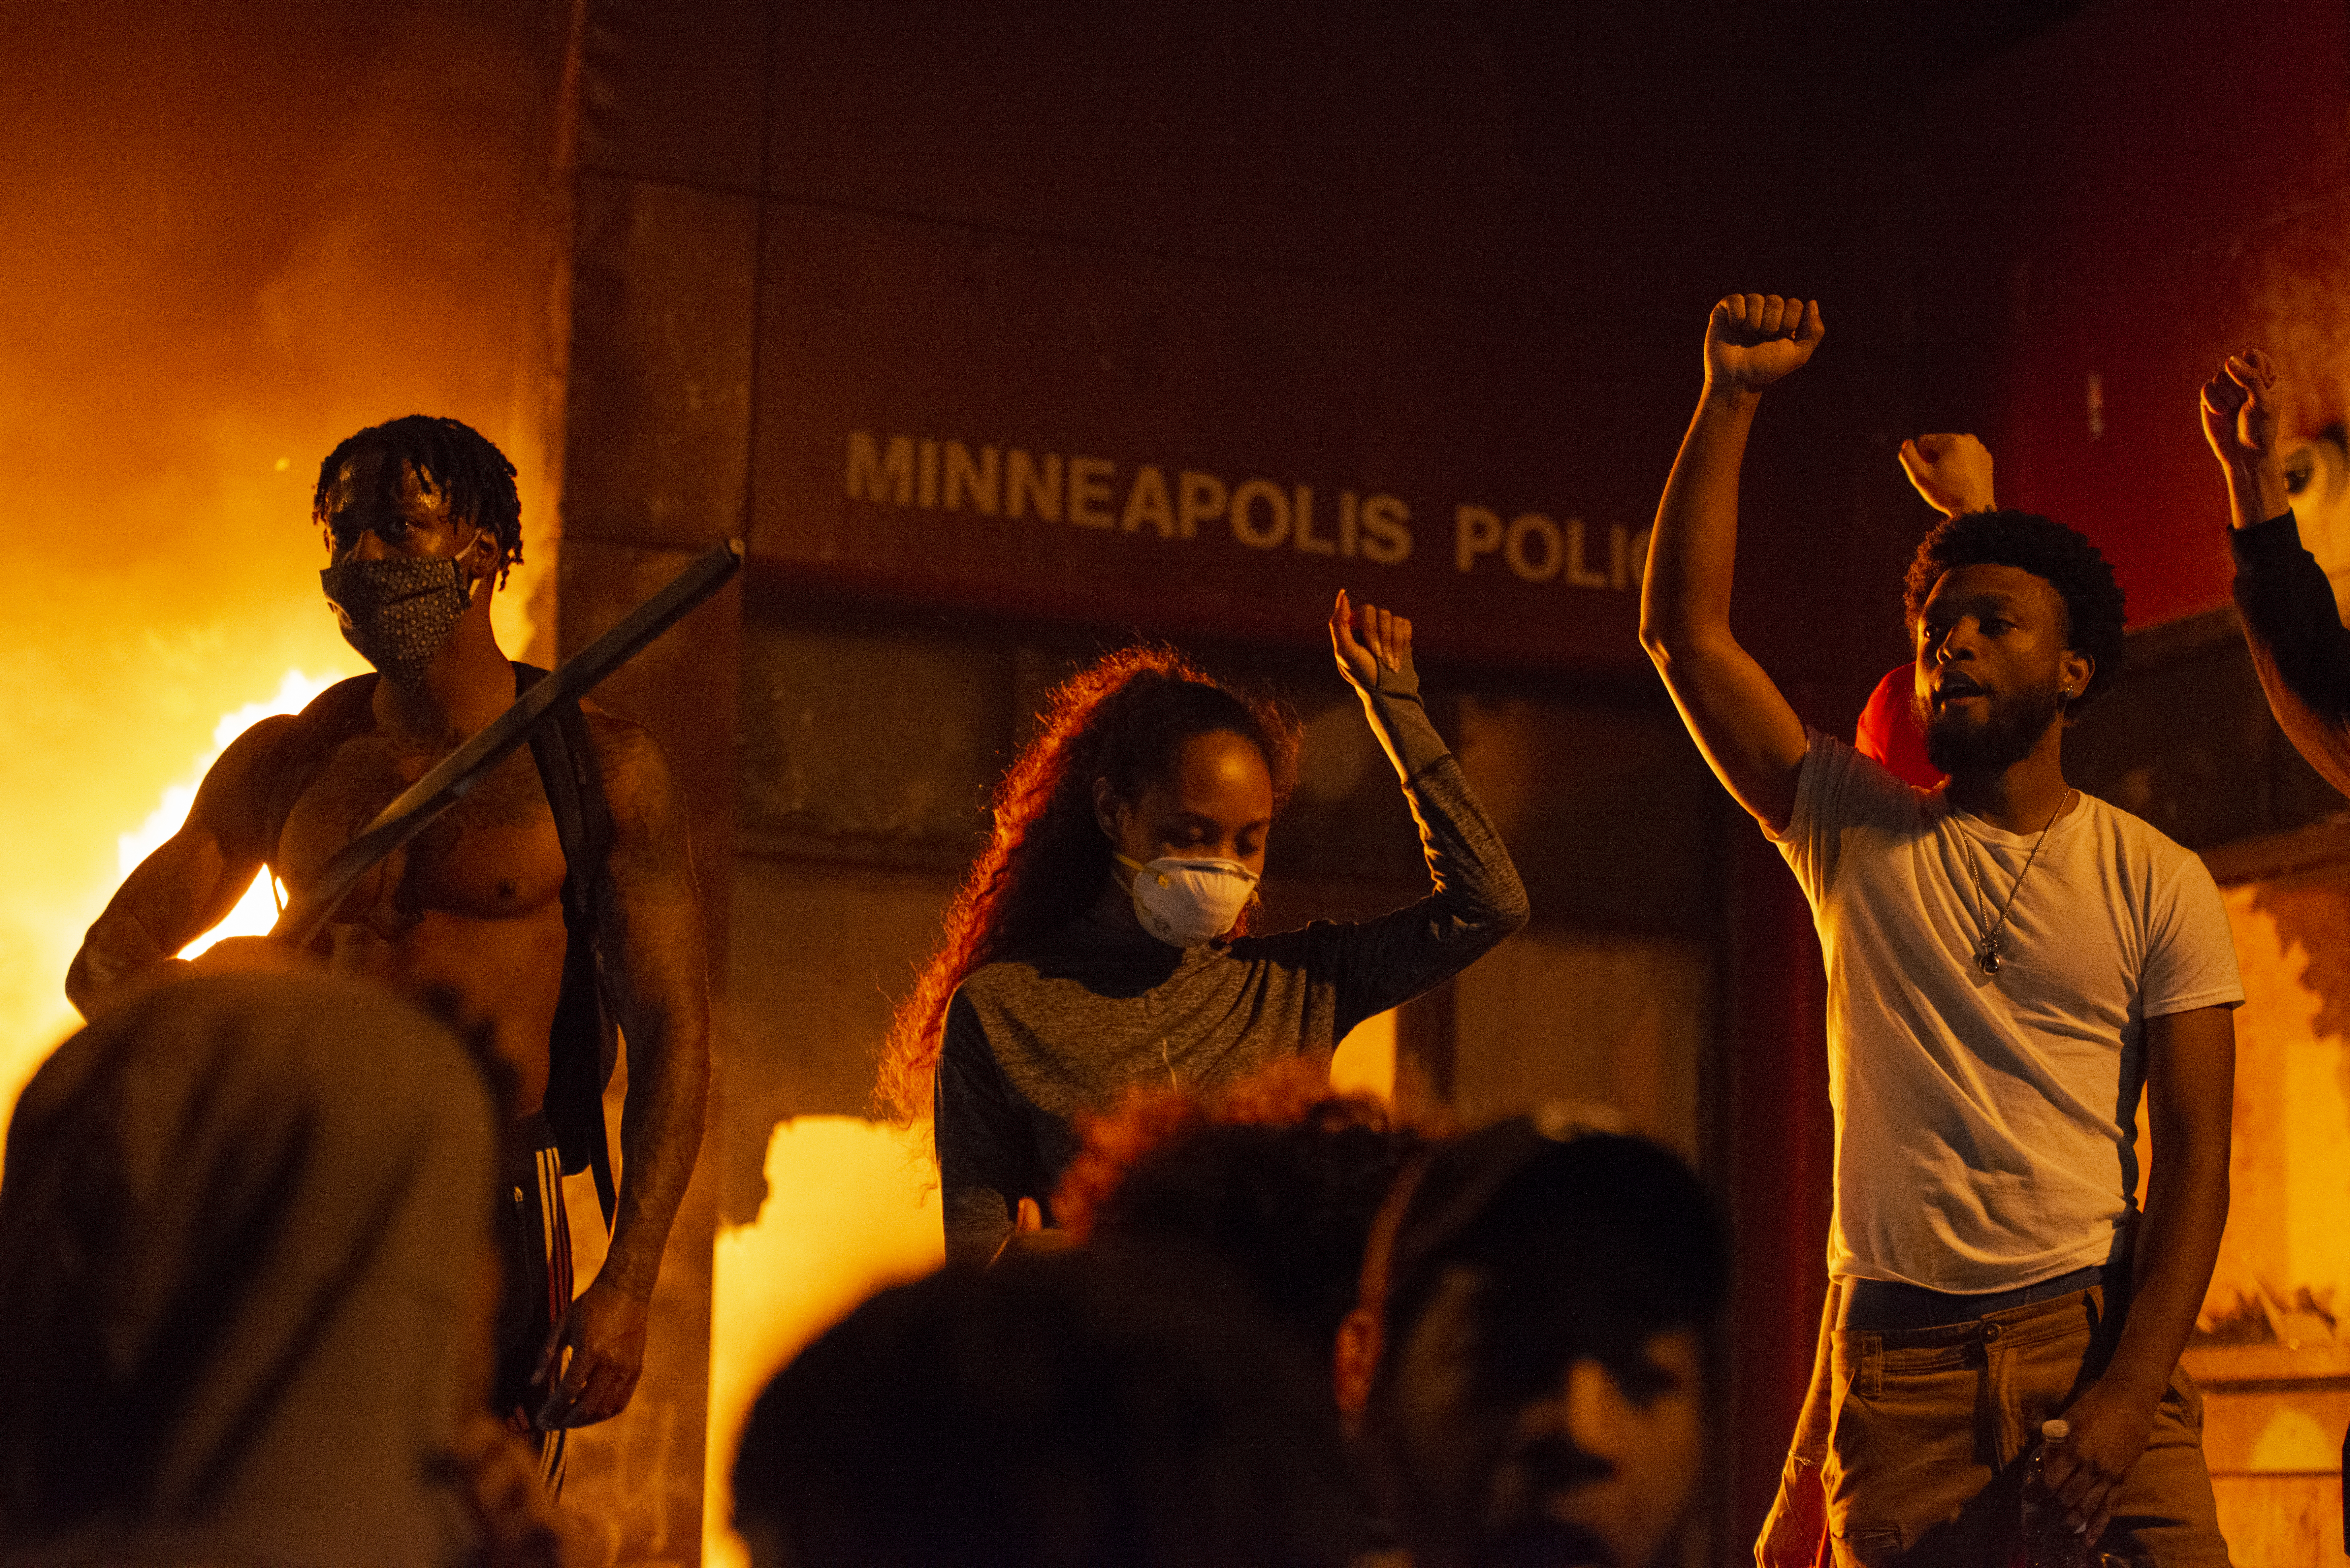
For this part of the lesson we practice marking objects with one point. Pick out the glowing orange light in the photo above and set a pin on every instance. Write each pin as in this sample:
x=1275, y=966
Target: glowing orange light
x=256, y=911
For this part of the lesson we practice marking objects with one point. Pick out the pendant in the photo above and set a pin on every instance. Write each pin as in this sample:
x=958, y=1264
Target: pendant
x=1987, y=955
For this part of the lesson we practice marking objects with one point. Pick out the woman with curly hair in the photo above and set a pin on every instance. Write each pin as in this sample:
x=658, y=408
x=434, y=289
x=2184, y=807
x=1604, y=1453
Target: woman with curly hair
x=1104, y=939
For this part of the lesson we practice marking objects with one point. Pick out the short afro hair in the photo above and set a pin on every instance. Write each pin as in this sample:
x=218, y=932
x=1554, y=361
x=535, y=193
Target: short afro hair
x=2064, y=560
x=461, y=463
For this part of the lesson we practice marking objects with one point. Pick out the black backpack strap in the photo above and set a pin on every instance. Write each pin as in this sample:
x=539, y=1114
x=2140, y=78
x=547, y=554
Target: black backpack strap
x=333, y=716
x=583, y=1045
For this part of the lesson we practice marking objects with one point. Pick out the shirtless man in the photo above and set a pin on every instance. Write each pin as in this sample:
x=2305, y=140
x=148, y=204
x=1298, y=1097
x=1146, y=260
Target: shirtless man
x=421, y=515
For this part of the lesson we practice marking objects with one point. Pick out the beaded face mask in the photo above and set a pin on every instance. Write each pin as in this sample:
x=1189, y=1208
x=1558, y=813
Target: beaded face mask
x=398, y=612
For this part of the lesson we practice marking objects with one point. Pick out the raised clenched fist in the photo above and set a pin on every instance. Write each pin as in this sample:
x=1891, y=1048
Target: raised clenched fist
x=1752, y=339
x=1951, y=471
x=2240, y=409
x=1367, y=639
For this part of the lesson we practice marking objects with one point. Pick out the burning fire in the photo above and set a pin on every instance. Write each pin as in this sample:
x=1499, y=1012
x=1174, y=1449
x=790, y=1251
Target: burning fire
x=92, y=744
x=69, y=875
x=256, y=911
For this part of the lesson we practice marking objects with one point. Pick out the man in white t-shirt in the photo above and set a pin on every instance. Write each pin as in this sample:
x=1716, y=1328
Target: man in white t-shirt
x=2009, y=963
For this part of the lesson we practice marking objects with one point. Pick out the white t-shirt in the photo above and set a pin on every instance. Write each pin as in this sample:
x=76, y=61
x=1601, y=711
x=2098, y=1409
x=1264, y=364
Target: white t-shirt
x=1986, y=1125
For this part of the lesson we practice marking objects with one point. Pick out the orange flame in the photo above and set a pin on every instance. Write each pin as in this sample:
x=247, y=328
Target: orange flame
x=256, y=911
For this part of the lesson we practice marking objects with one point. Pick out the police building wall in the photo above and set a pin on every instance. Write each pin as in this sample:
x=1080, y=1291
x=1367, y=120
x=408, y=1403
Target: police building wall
x=870, y=738
x=1003, y=339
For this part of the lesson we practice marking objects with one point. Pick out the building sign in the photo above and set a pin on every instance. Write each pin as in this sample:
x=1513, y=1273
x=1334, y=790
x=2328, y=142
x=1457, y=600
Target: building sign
x=1081, y=436
x=1257, y=513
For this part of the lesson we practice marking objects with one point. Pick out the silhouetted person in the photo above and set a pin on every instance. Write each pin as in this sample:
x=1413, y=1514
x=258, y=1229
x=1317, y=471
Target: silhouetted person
x=1527, y=1366
x=248, y=1279
x=2291, y=622
x=2295, y=632
x=1954, y=473
x=1092, y=1409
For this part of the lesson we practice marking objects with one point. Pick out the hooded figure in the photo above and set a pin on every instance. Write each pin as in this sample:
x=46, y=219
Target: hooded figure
x=246, y=1274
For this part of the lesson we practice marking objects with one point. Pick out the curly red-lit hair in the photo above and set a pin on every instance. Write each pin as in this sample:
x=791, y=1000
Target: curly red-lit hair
x=1278, y=1175
x=1124, y=718
x=1291, y=1092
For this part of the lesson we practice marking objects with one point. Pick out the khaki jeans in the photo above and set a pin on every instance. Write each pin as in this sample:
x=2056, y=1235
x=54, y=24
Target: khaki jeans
x=1911, y=1450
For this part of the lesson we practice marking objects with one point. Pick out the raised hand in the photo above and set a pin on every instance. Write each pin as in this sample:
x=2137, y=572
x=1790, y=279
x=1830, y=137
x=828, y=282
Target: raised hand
x=1752, y=339
x=1367, y=639
x=2239, y=420
x=2240, y=409
x=1951, y=471
x=1739, y=718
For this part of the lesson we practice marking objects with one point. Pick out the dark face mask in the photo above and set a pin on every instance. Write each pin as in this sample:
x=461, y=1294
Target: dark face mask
x=398, y=612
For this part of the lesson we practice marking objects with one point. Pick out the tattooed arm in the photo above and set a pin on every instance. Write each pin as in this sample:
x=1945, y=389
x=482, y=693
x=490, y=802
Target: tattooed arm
x=188, y=885
x=648, y=924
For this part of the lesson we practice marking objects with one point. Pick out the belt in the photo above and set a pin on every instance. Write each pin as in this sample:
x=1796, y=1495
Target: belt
x=1886, y=1307
x=529, y=1134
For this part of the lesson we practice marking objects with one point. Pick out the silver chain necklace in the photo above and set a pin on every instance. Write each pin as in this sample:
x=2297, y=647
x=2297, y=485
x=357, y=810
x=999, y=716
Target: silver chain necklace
x=1987, y=952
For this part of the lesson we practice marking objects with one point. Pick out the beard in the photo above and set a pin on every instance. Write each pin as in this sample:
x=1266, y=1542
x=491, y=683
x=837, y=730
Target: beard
x=2010, y=729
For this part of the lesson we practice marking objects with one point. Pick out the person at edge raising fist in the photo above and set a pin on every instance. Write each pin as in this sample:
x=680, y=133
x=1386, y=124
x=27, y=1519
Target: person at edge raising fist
x=2295, y=634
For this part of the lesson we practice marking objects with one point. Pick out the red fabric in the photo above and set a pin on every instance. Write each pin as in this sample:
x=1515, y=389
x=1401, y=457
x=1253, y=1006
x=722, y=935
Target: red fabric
x=1781, y=1157
x=1889, y=731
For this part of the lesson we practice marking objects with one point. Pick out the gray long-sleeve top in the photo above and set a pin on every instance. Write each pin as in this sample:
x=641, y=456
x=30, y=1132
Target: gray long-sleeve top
x=1039, y=1038
x=2299, y=644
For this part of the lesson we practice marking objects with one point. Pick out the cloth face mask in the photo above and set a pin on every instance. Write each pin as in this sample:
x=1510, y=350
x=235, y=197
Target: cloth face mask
x=398, y=612
x=1184, y=903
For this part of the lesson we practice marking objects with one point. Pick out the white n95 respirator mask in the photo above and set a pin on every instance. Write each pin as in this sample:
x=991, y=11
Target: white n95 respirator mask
x=1184, y=903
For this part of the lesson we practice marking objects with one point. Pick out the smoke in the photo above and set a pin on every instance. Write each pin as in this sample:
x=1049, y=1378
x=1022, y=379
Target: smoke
x=236, y=234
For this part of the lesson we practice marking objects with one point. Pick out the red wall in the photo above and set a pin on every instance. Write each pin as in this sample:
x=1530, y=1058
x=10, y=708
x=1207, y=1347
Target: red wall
x=2131, y=197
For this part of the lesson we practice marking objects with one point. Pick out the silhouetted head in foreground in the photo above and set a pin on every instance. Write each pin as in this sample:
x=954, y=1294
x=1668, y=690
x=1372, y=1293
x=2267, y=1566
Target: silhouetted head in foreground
x=246, y=1278
x=1528, y=1366
x=1094, y=1408
x=1278, y=1175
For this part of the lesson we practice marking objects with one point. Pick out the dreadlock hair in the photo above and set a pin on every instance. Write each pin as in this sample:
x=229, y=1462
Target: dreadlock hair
x=456, y=459
x=2055, y=554
x=1125, y=717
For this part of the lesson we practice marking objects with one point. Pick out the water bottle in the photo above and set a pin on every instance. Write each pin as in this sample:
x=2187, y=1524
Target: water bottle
x=2049, y=1538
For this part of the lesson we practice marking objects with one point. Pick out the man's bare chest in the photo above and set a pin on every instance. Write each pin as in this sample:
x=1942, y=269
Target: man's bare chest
x=493, y=856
